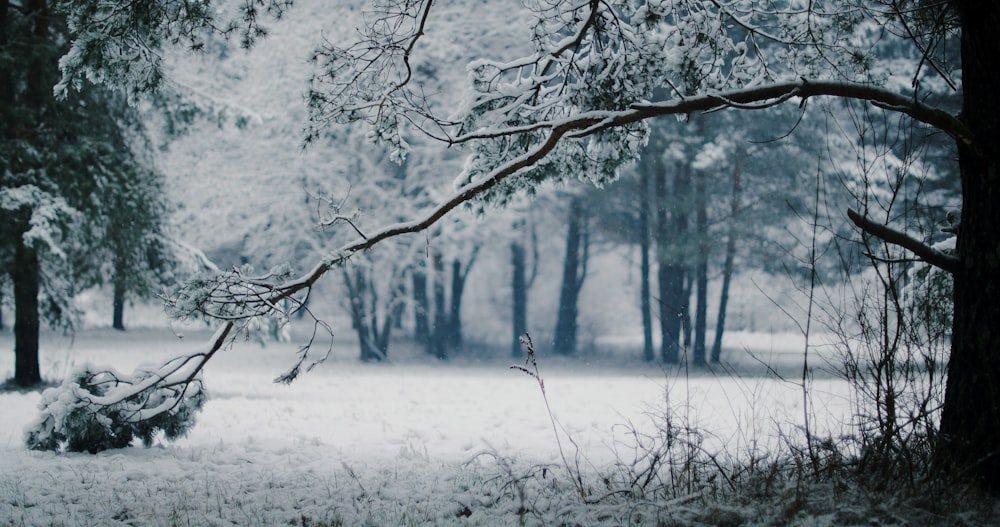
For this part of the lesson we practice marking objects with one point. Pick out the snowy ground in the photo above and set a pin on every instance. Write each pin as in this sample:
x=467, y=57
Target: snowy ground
x=411, y=442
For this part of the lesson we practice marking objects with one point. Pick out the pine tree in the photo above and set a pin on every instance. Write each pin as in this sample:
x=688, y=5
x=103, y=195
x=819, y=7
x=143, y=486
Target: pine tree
x=67, y=167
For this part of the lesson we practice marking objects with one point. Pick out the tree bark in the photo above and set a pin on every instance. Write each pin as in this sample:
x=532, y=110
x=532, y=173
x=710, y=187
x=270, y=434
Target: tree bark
x=421, y=308
x=25, y=272
x=4, y=18
x=701, y=270
x=686, y=290
x=356, y=286
x=669, y=273
x=458, y=278
x=118, y=296
x=564, y=342
x=727, y=265
x=26, y=288
x=394, y=311
x=440, y=330
x=519, y=293
x=970, y=419
x=644, y=246
x=118, y=314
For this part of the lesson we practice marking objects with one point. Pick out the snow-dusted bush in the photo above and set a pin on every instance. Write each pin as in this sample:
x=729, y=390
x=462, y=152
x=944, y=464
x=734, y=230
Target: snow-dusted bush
x=97, y=409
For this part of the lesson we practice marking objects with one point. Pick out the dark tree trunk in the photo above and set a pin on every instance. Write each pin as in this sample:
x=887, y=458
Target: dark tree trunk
x=26, y=287
x=6, y=75
x=644, y=246
x=669, y=274
x=421, y=308
x=686, y=289
x=25, y=272
x=118, y=315
x=455, y=307
x=701, y=271
x=394, y=312
x=439, y=347
x=39, y=72
x=727, y=275
x=970, y=419
x=4, y=19
x=519, y=292
x=574, y=265
x=373, y=341
x=356, y=286
x=727, y=265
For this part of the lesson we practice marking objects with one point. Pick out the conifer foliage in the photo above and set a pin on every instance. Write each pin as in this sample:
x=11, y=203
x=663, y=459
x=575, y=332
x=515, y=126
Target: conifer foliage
x=74, y=191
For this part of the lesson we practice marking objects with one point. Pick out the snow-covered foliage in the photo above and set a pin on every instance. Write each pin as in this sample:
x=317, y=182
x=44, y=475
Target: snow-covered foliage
x=98, y=409
x=132, y=61
x=51, y=225
x=49, y=217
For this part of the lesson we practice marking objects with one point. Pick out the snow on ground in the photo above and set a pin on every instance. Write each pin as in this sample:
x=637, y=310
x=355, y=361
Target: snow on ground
x=411, y=442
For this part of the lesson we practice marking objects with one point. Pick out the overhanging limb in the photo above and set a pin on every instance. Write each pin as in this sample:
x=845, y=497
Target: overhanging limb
x=887, y=234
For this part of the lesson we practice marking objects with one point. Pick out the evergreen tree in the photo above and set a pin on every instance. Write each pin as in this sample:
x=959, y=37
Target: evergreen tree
x=66, y=168
x=140, y=257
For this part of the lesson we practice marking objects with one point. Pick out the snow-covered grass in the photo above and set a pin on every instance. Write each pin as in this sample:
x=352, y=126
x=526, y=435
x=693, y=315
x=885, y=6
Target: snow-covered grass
x=419, y=442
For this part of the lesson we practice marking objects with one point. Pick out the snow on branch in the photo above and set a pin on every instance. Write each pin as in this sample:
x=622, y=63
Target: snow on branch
x=371, y=78
x=237, y=296
x=755, y=98
x=232, y=296
x=119, y=43
x=926, y=253
x=99, y=408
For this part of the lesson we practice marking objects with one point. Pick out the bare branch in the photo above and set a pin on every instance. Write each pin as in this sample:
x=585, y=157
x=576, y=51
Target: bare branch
x=926, y=253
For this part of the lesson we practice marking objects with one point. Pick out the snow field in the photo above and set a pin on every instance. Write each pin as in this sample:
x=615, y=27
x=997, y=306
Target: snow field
x=411, y=442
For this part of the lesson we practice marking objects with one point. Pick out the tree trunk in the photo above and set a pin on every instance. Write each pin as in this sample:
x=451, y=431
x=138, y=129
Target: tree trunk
x=440, y=330
x=357, y=287
x=118, y=315
x=644, y=245
x=455, y=307
x=26, y=287
x=4, y=17
x=394, y=311
x=685, y=302
x=670, y=273
x=421, y=308
x=357, y=309
x=519, y=293
x=564, y=342
x=25, y=272
x=701, y=270
x=6, y=75
x=720, y=322
x=727, y=265
x=970, y=419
